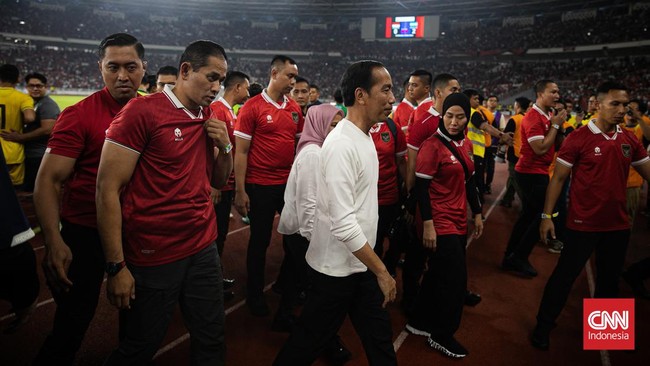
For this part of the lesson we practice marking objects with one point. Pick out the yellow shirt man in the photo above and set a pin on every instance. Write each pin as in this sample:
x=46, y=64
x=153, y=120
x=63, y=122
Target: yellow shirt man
x=12, y=105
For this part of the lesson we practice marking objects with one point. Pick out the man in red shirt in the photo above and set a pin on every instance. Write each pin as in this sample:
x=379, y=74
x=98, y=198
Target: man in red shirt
x=155, y=216
x=405, y=108
x=540, y=132
x=266, y=130
x=74, y=262
x=598, y=158
x=236, y=87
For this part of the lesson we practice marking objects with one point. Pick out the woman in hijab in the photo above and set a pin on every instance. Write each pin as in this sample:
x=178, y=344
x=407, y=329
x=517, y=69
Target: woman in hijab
x=444, y=185
x=297, y=218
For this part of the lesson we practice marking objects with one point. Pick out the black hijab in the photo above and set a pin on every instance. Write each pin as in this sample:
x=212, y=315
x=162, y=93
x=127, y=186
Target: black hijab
x=454, y=99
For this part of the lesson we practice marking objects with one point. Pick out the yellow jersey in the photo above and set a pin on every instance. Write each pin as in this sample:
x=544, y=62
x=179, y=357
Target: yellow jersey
x=12, y=105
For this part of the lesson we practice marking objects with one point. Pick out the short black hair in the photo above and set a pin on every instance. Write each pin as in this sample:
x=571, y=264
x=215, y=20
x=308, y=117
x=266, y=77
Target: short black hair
x=167, y=70
x=607, y=86
x=198, y=52
x=9, y=73
x=472, y=92
x=255, y=89
x=145, y=79
x=233, y=78
x=643, y=105
x=120, y=40
x=424, y=75
x=338, y=96
x=541, y=85
x=523, y=102
x=300, y=79
x=314, y=86
x=280, y=60
x=35, y=75
x=493, y=96
x=562, y=101
x=358, y=75
x=441, y=80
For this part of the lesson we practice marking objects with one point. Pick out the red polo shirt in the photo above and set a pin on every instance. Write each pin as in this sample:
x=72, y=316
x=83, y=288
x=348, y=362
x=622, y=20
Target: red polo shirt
x=222, y=111
x=402, y=114
x=387, y=155
x=422, y=125
x=534, y=126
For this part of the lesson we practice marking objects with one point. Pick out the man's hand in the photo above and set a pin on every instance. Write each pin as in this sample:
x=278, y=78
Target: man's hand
x=387, y=287
x=242, y=203
x=121, y=289
x=559, y=118
x=506, y=138
x=58, y=258
x=429, y=236
x=546, y=227
x=215, y=195
x=218, y=132
x=12, y=136
x=478, y=226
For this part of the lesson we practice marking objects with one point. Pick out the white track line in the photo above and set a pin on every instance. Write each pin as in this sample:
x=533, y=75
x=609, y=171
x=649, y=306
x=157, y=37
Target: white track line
x=402, y=336
x=604, y=355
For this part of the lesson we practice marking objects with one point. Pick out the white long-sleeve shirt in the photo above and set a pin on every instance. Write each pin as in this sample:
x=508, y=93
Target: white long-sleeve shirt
x=347, y=204
x=300, y=194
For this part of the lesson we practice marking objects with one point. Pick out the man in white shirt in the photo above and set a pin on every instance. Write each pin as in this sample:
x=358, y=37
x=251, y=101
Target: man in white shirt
x=348, y=277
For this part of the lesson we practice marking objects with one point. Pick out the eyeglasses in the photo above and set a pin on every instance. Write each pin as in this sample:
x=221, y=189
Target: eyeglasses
x=36, y=86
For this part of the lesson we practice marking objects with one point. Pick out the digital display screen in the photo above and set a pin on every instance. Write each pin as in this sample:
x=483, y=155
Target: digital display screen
x=405, y=27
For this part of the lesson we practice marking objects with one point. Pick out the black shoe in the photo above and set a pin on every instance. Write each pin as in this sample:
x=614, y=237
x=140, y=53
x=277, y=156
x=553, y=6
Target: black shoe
x=228, y=295
x=228, y=283
x=336, y=352
x=540, y=339
x=283, y=323
x=638, y=288
x=472, y=299
x=257, y=306
x=449, y=346
x=520, y=266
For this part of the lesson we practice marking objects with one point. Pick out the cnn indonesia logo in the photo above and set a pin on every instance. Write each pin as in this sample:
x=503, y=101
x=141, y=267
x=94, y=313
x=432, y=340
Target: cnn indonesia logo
x=608, y=324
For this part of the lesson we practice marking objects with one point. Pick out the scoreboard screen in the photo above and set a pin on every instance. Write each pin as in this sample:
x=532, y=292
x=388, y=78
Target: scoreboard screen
x=405, y=27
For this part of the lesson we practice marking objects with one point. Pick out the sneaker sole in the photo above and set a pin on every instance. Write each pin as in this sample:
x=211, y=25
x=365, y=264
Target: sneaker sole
x=438, y=347
x=416, y=331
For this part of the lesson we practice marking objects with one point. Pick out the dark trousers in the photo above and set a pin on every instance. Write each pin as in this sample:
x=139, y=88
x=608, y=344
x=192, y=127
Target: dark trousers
x=479, y=174
x=195, y=283
x=490, y=152
x=18, y=279
x=415, y=257
x=294, y=271
x=329, y=301
x=31, y=169
x=511, y=185
x=439, y=305
x=640, y=270
x=265, y=201
x=75, y=308
x=525, y=232
x=610, y=248
x=387, y=215
x=222, y=210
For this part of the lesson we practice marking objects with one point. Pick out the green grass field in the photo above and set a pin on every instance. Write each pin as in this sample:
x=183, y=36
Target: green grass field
x=65, y=101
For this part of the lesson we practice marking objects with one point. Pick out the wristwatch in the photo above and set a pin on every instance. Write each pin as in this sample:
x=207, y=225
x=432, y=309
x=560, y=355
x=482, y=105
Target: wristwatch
x=557, y=127
x=113, y=268
x=227, y=149
x=547, y=216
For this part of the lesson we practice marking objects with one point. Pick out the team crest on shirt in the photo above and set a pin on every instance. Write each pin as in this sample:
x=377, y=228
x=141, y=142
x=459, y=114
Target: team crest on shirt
x=626, y=150
x=178, y=135
x=385, y=136
x=269, y=119
x=295, y=117
x=597, y=151
x=453, y=159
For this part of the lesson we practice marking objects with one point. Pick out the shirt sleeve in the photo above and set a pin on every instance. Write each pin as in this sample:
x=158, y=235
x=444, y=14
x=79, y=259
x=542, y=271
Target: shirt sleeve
x=426, y=164
x=418, y=131
x=217, y=112
x=568, y=154
x=68, y=137
x=511, y=126
x=129, y=128
x=401, y=143
x=26, y=103
x=48, y=110
x=306, y=184
x=534, y=129
x=640, y=155
x=301, y=124
x=245, y=125
x=340, y=168
x=477, y=119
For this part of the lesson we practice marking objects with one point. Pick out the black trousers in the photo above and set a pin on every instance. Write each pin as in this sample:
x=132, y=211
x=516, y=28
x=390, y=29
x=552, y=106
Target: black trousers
x=75, y=308
x=490, y=152
x=388, y=214
x=415, y=257
x=222, y=210
x=265, y=201
x=194, y=283
x=18, y=279
x=31, y=169
x=328, y=303
x=439, y=305
x=525, y=232
x=511, y=184
x=640, y=270
x=610, y=248
x=294, y=272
